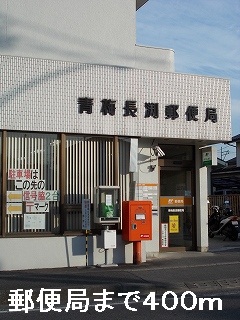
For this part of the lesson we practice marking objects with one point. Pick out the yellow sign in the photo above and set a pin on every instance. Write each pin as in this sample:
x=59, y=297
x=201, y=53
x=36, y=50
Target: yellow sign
x=14, y=196
x=14, y=208
x=173, y=224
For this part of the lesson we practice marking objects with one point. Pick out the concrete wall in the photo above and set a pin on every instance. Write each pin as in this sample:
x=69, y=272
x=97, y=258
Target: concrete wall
x=93, y=31
x=73, y=30
x=145, y=158
x=201, y=205
x=54, y=252
x=151, y=58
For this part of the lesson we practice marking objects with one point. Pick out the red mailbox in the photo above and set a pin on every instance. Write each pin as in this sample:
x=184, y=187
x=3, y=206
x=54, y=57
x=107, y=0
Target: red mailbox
x=136, y=220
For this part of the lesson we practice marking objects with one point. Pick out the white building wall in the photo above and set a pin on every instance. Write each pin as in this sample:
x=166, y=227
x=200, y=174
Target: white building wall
x=73, y=30
x=92, y=31
x=145, y=159
x=151, y=58
x=201, y=204
x=36, y=91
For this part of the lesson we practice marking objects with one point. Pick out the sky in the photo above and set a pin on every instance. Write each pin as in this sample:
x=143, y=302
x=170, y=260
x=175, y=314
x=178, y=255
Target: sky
x=205, y=36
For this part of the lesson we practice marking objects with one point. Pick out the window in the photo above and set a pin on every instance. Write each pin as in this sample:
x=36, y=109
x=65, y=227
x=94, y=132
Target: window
x=33, y=172
x=47, y=178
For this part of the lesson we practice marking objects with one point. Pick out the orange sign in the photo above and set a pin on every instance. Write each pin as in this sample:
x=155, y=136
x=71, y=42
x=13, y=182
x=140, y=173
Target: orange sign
x=175, y=201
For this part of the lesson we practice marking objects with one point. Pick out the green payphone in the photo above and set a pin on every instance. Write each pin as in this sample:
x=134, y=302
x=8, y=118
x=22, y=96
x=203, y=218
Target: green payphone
x=107, y=205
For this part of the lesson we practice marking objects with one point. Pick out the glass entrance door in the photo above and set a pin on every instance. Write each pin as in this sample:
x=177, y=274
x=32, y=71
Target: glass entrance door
x=176, y=209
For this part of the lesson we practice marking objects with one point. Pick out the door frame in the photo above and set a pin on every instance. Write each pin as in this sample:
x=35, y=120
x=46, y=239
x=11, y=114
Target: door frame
x=171, y=164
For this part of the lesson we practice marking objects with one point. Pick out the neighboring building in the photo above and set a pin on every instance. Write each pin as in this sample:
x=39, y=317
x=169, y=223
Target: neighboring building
x=225, y=178
x=236, y=139
x=83, y=106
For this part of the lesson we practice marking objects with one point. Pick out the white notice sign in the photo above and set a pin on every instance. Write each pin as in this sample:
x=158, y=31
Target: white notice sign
x=109, y=200
x=34, y=221
x=164, y=235
x=86, y=214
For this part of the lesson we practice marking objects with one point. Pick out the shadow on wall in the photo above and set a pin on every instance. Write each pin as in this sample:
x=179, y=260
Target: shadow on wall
x=119, y=254
x=7, y=41
x=41, y=38
x=84, y=247
x=78, y=248
x=81, y=246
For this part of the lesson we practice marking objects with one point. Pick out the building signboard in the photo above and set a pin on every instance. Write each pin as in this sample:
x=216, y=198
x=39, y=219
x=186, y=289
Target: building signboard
x=120, y=101
x=173, y=201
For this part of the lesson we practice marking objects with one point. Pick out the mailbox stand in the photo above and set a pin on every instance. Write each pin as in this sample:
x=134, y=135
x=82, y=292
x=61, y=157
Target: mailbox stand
x=137, y=225
x=137, y=252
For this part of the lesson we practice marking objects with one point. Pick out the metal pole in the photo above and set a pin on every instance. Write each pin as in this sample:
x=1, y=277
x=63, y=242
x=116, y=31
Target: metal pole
x=137, y=252
x=86, y=242
x=106, y=250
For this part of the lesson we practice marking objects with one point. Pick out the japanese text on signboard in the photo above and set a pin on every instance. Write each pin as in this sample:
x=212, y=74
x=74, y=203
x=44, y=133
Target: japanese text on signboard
x=108, y=107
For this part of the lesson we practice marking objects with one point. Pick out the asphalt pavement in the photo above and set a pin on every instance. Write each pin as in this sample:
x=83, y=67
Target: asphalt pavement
x=217, y=269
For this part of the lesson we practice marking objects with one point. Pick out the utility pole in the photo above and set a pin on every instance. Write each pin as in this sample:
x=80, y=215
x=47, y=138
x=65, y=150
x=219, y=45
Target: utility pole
x=224, y=153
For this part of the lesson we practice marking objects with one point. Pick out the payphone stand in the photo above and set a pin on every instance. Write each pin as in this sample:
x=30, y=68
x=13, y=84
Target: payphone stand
x=137, y=225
